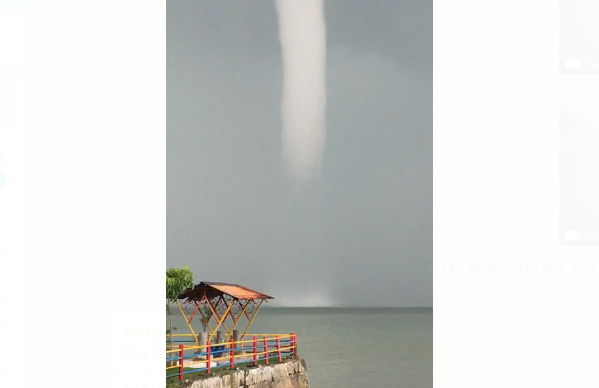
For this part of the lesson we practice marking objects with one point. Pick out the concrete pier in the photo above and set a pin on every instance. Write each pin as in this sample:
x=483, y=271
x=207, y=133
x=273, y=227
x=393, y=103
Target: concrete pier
x=237, y=338
x=290, y=374
x=202, y=341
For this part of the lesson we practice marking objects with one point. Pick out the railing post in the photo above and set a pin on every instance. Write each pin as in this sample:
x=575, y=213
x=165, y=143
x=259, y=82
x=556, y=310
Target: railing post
x=255, y=351
x=279, y=348
x=295, y=343
x=291, y=345
x=181, y=355
x=266, y=350
x=237, y=337
x=220, y=343
x=232, y=353
x=203, y=338
x=208, y=358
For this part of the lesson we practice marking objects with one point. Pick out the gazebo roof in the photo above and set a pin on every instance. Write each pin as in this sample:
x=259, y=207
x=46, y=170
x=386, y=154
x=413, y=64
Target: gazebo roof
x=216, y=289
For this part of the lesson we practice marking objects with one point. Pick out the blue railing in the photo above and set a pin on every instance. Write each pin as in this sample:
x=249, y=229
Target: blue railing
x=229, y=354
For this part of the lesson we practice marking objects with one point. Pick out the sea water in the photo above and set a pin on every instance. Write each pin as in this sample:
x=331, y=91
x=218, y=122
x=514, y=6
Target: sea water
x=355, y=348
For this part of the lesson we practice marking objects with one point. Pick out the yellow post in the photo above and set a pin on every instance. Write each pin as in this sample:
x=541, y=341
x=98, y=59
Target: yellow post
x=252, y=320
x=218, y=317
x=195, y=337
x=212, y=312
x=225, y=315
x=220, y=322
x=206, y=319
x=239, y=318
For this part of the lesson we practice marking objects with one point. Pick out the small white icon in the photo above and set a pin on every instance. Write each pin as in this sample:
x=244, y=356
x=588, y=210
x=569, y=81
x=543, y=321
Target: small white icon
x=572, y=64
x=572, y=235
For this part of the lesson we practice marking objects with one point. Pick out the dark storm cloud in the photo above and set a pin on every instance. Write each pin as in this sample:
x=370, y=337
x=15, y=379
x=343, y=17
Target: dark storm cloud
x=363, y=234
x=401, y=31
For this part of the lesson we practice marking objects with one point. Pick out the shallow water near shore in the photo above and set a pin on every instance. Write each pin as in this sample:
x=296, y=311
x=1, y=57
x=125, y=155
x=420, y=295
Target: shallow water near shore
x=354, y=347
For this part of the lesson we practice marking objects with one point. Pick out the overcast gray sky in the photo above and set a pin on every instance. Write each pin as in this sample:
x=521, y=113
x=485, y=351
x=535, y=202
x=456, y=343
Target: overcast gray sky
x=362, y=234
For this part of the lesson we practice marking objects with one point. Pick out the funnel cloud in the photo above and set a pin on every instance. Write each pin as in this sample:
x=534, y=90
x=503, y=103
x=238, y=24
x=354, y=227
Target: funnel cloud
x=303, y=46
x=359, y=232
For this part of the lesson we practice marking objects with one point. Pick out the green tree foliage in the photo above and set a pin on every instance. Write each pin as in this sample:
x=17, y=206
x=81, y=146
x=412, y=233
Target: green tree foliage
x=177, y=282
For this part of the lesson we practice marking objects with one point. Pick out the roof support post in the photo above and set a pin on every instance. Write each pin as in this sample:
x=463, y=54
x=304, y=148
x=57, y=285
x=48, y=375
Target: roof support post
x=220, y=322
x=195, y=337
x=252, y=320
x=240, y=314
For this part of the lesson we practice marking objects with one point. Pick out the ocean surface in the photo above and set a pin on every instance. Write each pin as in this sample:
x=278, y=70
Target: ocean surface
x=355, y=348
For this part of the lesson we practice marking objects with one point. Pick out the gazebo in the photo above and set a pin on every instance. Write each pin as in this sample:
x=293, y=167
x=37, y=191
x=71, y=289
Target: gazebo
x=219, y=301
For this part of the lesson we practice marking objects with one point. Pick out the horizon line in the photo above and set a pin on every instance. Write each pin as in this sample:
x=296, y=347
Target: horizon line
x=350, y=307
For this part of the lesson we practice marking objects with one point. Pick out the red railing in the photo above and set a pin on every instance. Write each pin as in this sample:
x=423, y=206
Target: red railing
x=253, y=351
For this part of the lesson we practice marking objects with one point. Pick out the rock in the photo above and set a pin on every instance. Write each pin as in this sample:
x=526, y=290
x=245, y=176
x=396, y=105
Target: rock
x=291, y=374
